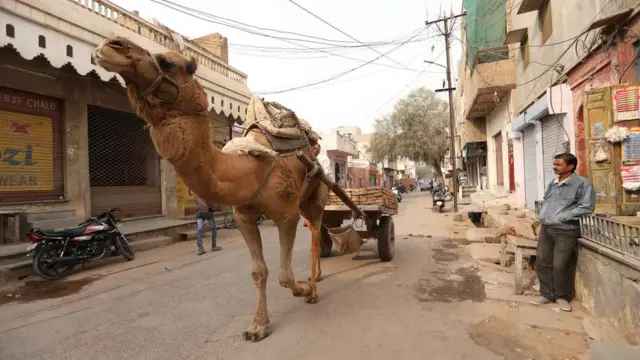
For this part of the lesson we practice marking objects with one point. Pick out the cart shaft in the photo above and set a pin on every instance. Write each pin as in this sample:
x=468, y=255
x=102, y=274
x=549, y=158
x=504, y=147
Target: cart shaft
x=320, y=175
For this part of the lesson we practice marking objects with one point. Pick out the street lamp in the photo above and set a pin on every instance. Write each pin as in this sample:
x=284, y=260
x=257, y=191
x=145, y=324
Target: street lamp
x=435, y=63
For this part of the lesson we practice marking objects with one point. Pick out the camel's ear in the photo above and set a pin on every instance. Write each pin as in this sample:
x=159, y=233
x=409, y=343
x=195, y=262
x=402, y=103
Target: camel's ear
x=192, y=66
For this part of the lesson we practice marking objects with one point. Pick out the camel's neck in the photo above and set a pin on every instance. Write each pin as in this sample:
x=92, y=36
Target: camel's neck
x=185, y=141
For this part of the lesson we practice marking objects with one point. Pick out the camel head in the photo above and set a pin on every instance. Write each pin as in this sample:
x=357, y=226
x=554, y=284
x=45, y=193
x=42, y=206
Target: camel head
x=157, y=81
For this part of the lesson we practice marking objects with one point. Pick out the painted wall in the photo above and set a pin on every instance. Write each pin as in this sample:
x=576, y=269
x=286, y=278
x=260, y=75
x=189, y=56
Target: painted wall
x=581, y=14
x=498, y=123
x=610, y=290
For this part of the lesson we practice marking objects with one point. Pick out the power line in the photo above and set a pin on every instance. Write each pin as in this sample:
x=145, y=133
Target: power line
x=287, y=40
x=339, y=75
x=406, y=86
x=344, y=33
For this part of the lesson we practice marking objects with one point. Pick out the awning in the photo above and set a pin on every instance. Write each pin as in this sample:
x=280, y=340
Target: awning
x=534, y=113
x=77, y=30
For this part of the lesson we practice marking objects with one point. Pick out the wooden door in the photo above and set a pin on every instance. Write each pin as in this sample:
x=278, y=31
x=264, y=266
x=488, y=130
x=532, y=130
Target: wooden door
x=601, y=157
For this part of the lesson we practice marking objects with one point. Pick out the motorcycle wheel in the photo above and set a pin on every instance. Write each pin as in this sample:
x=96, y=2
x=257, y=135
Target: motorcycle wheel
x=230, y=221
x=50, y=272
x=124, y=248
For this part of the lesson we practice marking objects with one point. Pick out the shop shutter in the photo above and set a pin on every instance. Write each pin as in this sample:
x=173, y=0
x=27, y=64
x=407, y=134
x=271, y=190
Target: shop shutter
x=31, y=147
x=530, y=166
x=552, y=144
x=124, y=166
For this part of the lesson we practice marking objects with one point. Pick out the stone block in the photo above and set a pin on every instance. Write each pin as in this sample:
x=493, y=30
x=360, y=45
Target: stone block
x=485, y=252
x=482, y=235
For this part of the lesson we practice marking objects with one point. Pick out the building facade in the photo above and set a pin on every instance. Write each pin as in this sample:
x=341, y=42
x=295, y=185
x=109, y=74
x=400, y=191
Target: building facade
x=72, y=147
x=544, y=102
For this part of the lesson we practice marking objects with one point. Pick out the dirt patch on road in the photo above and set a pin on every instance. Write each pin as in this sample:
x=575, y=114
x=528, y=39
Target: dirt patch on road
x=444, y=256
x=40, y=290
x=465, y=284
x=449, y=245
x=517, y=341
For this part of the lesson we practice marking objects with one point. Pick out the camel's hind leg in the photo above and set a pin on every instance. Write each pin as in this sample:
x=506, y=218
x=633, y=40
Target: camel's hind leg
x=313, y=210
x=260, y=327
x=287, y=230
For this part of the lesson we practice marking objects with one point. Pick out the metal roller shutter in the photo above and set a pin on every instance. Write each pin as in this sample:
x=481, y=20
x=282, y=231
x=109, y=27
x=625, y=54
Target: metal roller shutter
x=124, y=167
x=552, y=139
x=530, y=166
x=30, y=147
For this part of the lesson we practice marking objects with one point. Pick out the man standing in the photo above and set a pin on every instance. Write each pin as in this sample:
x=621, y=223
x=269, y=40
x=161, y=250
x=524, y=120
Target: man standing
x=566, y=199
x=205, y=213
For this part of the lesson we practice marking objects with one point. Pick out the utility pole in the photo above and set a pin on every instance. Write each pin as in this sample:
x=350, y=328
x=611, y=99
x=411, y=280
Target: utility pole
x=450, y=89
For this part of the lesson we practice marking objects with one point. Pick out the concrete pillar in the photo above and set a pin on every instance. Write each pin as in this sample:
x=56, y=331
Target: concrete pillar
x=169, y=194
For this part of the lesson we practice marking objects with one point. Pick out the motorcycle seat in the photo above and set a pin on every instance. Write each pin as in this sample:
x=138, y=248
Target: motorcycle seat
x=69, y=232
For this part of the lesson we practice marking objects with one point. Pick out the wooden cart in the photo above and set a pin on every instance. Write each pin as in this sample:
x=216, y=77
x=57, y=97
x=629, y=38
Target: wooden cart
x=383, y=231
x=377, y=218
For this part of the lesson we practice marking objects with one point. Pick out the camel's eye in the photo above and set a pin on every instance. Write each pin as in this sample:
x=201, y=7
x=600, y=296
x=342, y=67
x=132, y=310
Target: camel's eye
x=164, y=63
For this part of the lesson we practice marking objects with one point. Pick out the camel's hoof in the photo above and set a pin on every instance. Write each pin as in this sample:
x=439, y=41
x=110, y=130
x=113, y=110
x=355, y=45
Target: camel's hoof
x=306, y=288
x=311, y=299
x=257, y=333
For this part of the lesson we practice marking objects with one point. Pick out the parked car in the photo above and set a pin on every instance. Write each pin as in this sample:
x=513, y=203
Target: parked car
x=426, y=185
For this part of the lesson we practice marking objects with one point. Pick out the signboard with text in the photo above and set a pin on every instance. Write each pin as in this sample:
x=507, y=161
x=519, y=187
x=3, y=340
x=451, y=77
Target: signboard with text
x=30, y=150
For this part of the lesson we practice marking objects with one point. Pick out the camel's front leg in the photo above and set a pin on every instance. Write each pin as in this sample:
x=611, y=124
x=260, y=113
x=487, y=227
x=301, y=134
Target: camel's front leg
x=260, y=327
x=287, y=230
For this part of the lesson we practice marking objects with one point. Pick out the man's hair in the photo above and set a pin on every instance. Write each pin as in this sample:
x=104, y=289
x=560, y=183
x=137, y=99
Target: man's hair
x=568, y=159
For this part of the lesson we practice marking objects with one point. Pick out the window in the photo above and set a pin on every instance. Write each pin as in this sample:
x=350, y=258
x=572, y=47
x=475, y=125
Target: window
x=238, y=108
x=213, y=100
x=524, y=51
x=222, y=103
x=545, y=19
x=230, y=105
x=10, y=31
x=93, y=61
x=69, y=51
x=42, y=41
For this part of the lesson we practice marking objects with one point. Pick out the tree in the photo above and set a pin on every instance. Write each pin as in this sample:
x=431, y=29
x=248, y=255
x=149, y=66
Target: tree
x=424, y=172
x=416, y=129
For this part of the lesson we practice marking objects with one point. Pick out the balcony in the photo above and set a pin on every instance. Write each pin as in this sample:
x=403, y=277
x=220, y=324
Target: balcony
x=491, y=79
x=336, y=142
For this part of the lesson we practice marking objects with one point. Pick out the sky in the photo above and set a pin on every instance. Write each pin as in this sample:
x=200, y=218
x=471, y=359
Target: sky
x=357, y=98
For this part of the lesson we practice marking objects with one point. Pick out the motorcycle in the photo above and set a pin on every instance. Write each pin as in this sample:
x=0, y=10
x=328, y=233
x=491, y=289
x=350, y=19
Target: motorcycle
x=56, y=252
x=396, y=192
x=440, y=197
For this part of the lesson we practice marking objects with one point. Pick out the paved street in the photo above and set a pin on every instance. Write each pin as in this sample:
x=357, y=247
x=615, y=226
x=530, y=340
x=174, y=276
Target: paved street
x=169, y=303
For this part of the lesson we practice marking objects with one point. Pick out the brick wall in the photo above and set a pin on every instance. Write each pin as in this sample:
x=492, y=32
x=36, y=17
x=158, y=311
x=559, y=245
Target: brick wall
x=359, y=177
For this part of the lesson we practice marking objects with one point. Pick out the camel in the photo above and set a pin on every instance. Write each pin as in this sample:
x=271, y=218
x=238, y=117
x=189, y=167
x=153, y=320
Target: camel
x=162, y=90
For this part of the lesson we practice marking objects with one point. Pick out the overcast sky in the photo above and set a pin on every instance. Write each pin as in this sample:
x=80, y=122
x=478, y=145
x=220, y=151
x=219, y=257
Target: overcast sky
x=357, y=98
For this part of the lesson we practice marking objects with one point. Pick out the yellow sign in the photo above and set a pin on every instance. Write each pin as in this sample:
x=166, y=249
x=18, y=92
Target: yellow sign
x=26, y=152
x=186, y=202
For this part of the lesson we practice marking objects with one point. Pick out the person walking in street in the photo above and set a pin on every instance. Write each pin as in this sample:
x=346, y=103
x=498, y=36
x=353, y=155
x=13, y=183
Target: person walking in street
x=566, y=199
x=205, y=213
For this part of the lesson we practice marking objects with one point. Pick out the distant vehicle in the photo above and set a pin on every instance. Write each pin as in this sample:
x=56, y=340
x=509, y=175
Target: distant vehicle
x=426, y=185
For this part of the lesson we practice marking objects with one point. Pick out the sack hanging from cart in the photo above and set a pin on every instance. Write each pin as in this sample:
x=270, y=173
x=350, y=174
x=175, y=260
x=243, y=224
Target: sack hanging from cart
x=346, y=239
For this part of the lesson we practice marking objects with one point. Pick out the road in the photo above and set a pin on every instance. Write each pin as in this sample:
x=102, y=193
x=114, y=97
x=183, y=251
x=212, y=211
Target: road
x=181, y=306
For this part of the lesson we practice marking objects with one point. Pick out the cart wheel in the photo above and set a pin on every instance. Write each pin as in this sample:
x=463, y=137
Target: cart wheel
x=326, y=245
x=386, y=236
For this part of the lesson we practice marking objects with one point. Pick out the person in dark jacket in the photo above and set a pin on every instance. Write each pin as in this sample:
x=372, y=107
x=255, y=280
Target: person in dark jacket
x=205, y=213
x=566, y=199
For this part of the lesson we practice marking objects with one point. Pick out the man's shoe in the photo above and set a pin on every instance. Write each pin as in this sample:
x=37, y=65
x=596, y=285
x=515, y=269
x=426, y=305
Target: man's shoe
x=201, y=252
x=217, y=248
x=541, y=301
x=563, y=305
